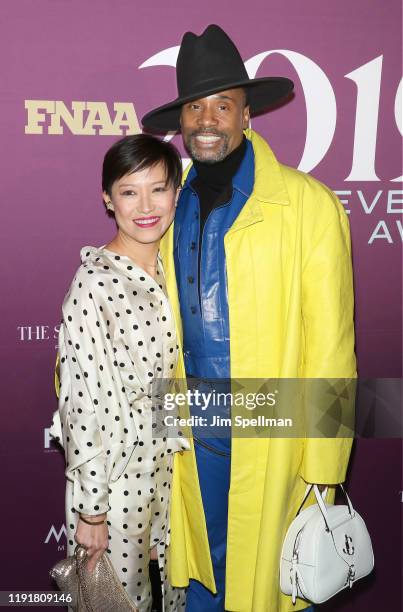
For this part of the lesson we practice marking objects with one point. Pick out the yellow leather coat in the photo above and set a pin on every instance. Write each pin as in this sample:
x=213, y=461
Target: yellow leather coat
x=290, y=296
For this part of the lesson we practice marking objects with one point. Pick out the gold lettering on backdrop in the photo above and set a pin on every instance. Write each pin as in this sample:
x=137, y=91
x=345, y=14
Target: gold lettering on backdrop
x=81, y=118
x=125, y=117
x=37, y=111
x=98, y=117
x=73, y=119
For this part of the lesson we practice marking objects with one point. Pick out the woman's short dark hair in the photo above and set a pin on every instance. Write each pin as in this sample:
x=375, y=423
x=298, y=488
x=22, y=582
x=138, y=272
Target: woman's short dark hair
x=138, y=152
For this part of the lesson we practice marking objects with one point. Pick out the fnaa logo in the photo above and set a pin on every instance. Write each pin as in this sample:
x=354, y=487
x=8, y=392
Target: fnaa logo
x=56, y=535
x=80, y=118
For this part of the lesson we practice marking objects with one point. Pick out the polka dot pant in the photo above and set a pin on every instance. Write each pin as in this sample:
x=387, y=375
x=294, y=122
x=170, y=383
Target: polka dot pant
x=137, y=521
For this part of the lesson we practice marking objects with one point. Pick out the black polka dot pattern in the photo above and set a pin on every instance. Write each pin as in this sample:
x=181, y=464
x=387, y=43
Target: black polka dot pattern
x=135, y=527
x=117, y=337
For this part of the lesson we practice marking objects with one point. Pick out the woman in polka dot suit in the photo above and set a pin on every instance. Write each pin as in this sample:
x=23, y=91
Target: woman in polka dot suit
x=117, y=337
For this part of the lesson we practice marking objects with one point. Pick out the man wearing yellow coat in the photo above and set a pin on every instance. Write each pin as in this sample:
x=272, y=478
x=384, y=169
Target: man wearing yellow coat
x=258, y=268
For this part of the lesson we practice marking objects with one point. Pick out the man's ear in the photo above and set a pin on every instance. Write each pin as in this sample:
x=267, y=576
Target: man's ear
x=108, y=202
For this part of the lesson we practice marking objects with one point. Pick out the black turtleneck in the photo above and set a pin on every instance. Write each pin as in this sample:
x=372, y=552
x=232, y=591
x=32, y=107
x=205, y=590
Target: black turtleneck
x=213, y=183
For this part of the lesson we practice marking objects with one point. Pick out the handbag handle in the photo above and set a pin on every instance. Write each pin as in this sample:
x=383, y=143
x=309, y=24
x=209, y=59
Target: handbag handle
x=320, y=499
x=307, y=491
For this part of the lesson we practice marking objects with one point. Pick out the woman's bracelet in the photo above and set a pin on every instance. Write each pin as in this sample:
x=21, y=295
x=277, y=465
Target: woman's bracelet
x=92, y=522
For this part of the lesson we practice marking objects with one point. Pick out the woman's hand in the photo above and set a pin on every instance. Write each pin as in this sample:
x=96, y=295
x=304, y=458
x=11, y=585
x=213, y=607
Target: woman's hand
x=93, y=537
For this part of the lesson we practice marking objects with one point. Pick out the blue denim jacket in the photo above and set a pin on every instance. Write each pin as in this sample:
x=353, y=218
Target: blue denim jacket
x=205, y=317
x=206, y=342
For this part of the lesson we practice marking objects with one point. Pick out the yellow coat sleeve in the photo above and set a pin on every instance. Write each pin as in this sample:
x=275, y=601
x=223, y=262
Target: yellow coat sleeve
x=328, y=328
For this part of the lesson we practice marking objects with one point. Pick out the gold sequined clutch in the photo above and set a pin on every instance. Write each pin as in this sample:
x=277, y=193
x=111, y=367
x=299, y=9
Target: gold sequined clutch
x=96, y=591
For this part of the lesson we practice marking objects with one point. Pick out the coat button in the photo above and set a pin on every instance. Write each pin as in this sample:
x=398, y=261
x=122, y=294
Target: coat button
x=193, y=309
x=192, y=246
x=191, y=279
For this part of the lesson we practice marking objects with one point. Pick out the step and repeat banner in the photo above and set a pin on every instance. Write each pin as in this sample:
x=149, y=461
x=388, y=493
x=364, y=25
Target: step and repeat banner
x=77, y=75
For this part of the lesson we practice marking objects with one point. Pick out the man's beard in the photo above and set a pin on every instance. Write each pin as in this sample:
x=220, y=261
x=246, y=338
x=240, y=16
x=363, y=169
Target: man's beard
x=206, y=156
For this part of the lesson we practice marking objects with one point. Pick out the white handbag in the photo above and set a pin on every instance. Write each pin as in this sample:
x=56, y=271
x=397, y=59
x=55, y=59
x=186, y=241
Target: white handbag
x=326, y=549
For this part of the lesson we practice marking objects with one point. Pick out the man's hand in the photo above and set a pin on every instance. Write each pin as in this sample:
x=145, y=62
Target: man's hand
x=93, y=537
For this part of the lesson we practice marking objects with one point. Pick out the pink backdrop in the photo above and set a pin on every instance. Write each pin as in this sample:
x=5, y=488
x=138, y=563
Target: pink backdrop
x=83, y=59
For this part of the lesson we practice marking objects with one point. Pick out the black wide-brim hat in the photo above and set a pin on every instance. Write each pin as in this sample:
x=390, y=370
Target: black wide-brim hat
x=208, y=64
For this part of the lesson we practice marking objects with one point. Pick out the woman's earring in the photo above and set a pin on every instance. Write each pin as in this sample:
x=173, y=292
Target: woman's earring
x=109, y=205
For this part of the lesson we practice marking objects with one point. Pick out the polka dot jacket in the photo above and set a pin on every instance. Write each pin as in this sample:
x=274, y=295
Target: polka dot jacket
x=117, y=338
